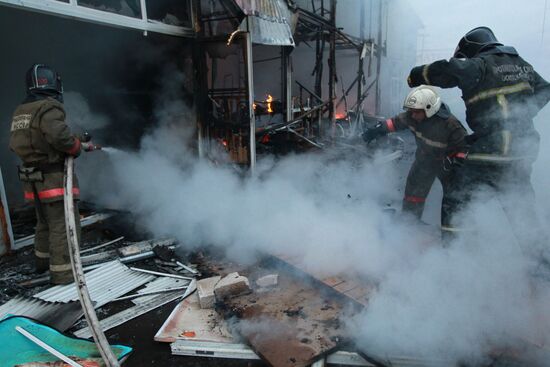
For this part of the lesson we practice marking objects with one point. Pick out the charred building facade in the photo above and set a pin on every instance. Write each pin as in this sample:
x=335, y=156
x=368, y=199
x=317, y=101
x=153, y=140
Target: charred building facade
x=257, y=77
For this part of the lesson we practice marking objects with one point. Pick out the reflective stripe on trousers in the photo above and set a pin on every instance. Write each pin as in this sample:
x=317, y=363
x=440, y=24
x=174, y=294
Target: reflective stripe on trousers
x=41, y=255
x=50, y=194
x=414, y=199
x=61, y=268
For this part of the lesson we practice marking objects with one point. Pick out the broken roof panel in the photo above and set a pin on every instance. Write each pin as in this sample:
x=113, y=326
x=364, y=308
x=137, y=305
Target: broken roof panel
x=137, y=310
x=57, y=315
x=269, y=21
x=158, y=285
x=105, y=283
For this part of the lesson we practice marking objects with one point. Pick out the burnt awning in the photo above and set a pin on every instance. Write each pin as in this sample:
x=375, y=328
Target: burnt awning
x=270, y=22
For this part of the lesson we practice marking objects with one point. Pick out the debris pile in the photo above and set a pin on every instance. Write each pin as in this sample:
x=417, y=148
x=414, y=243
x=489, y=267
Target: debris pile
x=119, y=292
x=238, y=312
x=277, y=311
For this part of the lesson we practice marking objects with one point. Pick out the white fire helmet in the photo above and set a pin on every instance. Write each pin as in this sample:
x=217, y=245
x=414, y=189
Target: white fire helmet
x=424, y=98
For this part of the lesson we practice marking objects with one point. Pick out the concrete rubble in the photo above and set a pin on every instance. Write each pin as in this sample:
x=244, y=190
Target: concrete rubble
x=205, y=290
x=232, y=285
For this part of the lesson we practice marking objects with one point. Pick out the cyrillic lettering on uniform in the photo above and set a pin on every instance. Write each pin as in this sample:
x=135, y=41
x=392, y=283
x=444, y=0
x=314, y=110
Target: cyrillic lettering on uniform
x=21, y=122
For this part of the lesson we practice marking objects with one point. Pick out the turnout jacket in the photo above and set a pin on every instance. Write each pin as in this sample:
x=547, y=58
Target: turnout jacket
x=42, y=139
x=502, y=94
x=436, y=137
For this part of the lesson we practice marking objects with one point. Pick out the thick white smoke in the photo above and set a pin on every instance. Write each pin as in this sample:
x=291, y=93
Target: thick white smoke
x=298, y=205
x=487, y=291
x=451, y=303
x=81, y=117
x=484, y=292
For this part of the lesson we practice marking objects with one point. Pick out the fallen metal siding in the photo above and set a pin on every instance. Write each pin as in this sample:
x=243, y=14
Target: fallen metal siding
x=159, y=285
x=137, y=310
x=58, y=315
x=242, y=351
x=269, y=21
x=199, y=348
x=105, y=283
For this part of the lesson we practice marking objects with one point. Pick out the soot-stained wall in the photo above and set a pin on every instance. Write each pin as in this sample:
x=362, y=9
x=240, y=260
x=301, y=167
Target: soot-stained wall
x=111, y=75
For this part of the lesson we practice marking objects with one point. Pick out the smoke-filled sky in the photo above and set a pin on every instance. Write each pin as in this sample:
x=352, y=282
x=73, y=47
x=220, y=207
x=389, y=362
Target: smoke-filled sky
x=457, y=303
x=517, y=23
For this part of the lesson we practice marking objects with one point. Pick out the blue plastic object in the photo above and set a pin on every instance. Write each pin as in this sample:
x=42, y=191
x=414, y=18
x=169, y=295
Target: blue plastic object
x=17, y=349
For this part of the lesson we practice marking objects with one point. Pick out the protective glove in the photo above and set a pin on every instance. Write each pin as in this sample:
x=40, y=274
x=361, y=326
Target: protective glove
x=89, y=146
x=416, y=77
x=454, y=161
x=85, y=138
x=377, y=131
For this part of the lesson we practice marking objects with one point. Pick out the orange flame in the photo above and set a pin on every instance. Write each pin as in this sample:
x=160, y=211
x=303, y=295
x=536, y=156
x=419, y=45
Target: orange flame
x=269, y=100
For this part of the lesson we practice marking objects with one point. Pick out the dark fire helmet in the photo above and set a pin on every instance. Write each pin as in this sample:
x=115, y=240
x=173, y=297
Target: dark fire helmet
x=41, y=77
x=475, y=41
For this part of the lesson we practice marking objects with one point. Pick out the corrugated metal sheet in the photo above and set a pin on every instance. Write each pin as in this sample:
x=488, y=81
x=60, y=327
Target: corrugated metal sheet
x=269, y=21
x=105, y=283
x=158, y=285
x=130, y=313
x=57, y=315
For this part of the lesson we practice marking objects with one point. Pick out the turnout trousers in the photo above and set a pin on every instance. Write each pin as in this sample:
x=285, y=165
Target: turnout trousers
x=50, y=243
x=419, y=182
x=509, y=183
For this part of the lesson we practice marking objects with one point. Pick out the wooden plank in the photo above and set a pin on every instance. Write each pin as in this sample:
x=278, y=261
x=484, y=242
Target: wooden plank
x=354, y=289
x=333, y=281
x=346, y=286
x=363, y=300
x=297, y=322
x=359, y=292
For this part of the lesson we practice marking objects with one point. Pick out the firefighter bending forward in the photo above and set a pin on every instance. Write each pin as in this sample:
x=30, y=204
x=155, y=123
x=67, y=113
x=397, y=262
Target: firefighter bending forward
x=502, y=94
x=42, y=139
x=439, y=140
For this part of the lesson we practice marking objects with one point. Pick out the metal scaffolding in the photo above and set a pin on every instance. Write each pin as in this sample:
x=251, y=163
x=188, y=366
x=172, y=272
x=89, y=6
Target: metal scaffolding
x=230, y=111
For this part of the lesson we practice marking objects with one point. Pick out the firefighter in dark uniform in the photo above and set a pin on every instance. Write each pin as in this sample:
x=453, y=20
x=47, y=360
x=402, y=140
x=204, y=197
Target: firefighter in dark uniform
x=502, y=94
x=42, y=139
x=438, y=135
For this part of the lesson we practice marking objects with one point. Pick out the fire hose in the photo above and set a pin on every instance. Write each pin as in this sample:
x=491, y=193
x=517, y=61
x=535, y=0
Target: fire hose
x=80, y=281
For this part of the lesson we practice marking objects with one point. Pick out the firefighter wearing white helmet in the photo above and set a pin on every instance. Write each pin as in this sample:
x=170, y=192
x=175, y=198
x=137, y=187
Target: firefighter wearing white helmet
x=439, y=140
x=423, y=98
